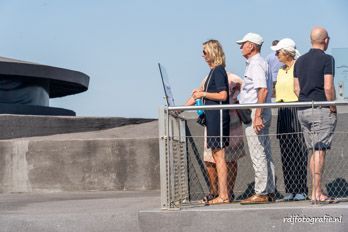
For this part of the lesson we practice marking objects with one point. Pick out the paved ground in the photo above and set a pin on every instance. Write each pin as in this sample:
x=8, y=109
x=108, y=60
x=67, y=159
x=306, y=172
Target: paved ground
x=119, y=211
x=75, y=212
x=274, y=217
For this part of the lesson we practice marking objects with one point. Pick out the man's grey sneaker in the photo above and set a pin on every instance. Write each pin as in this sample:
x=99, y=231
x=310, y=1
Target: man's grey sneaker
x=300, y=197
x=289, y=197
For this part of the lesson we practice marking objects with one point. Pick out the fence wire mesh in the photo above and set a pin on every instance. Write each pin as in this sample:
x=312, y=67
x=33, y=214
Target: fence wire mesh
x=277, y=163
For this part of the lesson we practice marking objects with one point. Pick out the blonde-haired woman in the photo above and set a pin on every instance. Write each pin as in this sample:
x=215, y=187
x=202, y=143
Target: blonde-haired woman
x=236, y=147
x=215, y=92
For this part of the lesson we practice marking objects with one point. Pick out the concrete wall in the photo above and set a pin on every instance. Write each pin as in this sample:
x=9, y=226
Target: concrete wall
x=79, y=165
x=120, y=158
x=81, y=162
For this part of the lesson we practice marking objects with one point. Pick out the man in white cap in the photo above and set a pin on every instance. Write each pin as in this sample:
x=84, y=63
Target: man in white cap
x=257, y=88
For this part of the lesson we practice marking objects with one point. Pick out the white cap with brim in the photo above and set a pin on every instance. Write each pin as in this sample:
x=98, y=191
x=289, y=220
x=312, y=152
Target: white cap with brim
x=251, y=37
x=288, y=45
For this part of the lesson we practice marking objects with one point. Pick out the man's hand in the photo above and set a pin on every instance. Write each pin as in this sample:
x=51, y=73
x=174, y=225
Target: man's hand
x=258, y=124
x=333, y=109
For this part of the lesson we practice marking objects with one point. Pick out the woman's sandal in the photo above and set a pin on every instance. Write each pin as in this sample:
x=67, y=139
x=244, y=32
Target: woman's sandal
x=217, y=201
x=209, y=197
x=325, y=200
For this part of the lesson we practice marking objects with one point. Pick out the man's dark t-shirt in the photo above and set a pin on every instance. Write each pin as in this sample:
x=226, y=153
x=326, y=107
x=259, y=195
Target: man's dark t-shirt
x=310, y=69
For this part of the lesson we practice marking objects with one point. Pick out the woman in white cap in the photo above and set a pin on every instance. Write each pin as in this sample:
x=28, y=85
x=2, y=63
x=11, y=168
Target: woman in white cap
x=292, y=146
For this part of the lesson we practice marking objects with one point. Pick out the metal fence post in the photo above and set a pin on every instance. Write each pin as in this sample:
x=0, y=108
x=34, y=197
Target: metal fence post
x=184, y=162
x=177, y=162
x=163, y=152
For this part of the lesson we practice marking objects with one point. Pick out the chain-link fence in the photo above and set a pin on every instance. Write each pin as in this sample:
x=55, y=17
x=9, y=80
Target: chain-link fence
x=284, y=161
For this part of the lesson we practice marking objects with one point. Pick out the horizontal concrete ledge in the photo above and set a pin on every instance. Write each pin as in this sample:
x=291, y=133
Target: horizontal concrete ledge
x=19, y=126
x=235, y=217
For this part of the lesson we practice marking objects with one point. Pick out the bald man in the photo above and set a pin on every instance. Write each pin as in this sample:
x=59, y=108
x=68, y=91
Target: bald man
x=314, y=81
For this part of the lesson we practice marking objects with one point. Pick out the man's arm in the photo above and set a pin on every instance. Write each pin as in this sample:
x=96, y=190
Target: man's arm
x=296, y=87
x=329, y=90
x=261, y=98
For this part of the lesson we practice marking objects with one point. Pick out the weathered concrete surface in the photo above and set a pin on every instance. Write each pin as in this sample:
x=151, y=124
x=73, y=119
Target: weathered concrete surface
x=16, y=126
x=124, y=158
x=107, y=211
x=238, y=218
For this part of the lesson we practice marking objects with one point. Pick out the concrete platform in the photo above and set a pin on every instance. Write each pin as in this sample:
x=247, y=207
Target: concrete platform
x=114, y=211
x=283, y=216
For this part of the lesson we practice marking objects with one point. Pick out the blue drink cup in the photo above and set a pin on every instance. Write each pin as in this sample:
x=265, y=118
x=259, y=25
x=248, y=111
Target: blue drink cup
x=199, y=103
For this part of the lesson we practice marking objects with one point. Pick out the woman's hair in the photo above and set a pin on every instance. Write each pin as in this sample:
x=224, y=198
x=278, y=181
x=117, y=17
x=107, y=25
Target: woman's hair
x=289, y=53
x=215, y=51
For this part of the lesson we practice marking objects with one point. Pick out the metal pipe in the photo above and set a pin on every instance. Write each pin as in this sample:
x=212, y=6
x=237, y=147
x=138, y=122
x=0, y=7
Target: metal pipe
x=263, y=105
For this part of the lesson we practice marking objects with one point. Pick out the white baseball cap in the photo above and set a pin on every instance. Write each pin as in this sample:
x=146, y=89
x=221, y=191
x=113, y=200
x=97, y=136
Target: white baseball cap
x=251, y=37
x=288, y=45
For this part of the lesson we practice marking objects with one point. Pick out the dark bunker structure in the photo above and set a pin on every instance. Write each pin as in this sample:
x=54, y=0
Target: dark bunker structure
x=25, y=87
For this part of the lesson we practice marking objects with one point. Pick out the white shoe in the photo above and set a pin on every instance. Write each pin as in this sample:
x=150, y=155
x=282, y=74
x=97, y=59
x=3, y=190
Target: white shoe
x=289, y=197
x=300, y=197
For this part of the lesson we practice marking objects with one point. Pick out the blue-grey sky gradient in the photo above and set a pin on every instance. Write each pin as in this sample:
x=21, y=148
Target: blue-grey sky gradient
x=118, y=43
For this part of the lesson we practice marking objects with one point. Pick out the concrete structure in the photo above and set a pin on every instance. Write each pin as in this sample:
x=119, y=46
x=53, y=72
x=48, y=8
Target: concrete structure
x=25, y=87
x=120, y=158
x=111, y=154
x=117, y=154
x=18, y=126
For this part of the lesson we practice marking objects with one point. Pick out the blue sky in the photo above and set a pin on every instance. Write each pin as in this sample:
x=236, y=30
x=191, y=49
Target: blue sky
x=118, y=43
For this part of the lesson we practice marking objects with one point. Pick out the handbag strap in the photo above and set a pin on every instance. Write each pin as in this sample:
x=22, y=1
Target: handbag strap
x=207, y=84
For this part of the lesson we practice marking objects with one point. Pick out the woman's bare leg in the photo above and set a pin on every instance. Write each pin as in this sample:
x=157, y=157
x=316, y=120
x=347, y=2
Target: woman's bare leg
x=212, y=175
x=221, y=168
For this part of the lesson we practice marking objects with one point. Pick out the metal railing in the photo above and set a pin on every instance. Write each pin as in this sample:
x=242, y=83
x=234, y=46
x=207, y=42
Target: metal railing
x=183, y=168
